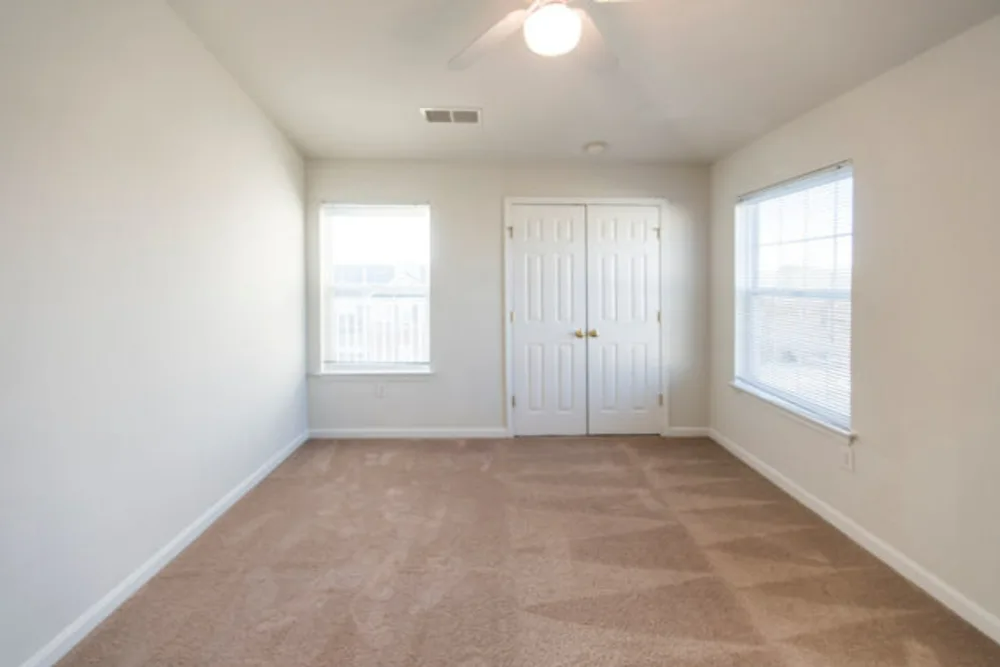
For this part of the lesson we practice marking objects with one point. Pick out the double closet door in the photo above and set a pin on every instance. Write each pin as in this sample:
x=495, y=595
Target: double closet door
x=585, y=319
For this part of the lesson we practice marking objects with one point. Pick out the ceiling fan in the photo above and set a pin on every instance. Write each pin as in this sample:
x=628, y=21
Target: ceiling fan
x=551, y=28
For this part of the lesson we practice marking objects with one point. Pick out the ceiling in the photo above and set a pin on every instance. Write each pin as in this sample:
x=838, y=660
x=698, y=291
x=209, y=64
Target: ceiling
x=697, y=78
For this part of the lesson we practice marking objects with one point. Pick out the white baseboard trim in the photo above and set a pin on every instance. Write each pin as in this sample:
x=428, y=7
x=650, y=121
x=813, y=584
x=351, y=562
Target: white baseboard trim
x=944, y=593
x=100, y=610
x=408, y=433
x=686, y=432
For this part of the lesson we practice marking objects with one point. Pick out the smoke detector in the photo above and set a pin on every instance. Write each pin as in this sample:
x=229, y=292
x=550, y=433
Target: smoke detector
x=459, y=116
x=595, y=148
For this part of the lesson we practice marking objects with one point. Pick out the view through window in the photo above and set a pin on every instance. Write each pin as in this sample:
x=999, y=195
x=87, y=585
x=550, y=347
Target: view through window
x=794, y=271
x=375, y=287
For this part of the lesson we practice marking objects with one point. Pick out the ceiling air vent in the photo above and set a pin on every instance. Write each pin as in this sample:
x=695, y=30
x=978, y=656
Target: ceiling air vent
x=437, y=115
x=463, y=116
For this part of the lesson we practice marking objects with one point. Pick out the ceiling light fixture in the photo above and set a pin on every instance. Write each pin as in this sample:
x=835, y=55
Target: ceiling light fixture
x=553, y=30
x=595, y=148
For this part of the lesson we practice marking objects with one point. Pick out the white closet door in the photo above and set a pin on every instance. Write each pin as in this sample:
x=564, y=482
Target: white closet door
x=548, y=256
x=623, y=272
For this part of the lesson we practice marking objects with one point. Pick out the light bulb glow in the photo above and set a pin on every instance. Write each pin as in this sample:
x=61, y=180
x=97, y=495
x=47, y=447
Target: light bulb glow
x=553, y=30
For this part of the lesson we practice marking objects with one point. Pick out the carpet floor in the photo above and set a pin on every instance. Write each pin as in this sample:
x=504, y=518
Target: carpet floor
x=548, y=552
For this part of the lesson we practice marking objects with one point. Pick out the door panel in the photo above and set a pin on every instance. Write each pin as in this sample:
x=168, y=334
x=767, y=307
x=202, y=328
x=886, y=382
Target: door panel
x=623, y=307
x=547, y=262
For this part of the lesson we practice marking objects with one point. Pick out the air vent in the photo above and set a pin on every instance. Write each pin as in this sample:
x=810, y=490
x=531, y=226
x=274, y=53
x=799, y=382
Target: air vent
x=437, y=115
x=465, y=116
x=462, y=116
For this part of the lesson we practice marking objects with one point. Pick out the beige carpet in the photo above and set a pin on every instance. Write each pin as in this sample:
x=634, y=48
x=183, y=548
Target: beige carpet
x=613, y=552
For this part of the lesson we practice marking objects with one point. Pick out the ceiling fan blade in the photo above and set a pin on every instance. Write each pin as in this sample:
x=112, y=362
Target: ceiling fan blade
x=596, y=54
x=490, y=39
x=601, y=58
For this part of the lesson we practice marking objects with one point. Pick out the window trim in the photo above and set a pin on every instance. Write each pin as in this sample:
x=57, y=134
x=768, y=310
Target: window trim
x=798, y=183
x=793, y=411
x=333, y=370
x=375, y=370
x=797, y=409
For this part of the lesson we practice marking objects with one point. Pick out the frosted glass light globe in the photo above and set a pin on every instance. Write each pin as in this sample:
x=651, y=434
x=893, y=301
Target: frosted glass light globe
x=553, y=30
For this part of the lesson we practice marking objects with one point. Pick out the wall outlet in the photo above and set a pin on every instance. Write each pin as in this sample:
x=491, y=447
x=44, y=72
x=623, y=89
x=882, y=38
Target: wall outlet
x=847, y=457
x=380, y=391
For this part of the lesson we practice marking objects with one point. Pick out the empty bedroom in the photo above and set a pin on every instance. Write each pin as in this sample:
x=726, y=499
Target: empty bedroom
x=499, y=333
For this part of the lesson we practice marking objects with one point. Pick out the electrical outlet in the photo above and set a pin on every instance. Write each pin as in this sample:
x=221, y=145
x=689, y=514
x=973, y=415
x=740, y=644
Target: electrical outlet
x=847, y=457
x=380, y=391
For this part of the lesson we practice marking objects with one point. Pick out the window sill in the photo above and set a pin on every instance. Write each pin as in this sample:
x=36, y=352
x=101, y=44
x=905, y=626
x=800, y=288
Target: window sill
x=415, y=371
x=791, y=412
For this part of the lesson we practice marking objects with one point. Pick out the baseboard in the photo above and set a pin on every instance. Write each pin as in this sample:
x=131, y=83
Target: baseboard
x=944, y=593
x=477, y=432
x=686, y=432
x=90, y=619
x=408, y=433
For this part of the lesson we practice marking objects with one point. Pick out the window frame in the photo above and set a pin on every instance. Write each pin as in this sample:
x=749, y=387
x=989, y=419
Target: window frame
x=747, y=234
x=347, y=369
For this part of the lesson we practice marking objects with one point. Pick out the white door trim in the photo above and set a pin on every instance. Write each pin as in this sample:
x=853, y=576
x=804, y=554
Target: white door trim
x=510, y=202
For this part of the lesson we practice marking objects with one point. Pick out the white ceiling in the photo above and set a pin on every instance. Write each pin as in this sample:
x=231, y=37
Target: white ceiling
x=698, y=78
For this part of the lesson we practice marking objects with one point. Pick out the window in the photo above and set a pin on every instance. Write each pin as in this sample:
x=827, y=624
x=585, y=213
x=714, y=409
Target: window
x=375, y=288
x=793, y=295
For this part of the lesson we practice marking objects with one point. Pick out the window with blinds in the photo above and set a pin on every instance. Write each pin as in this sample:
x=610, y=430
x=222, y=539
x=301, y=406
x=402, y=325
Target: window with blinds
x=375, y=264
x=793, y=294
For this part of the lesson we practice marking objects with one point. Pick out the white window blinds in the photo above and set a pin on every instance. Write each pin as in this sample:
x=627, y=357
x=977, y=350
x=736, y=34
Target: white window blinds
x=375, y=286
x=793, y=294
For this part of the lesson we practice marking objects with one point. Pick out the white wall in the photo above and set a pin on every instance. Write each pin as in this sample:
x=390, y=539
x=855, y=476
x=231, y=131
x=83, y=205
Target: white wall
x=925, y=140
x=467, y=345
x=151, y=299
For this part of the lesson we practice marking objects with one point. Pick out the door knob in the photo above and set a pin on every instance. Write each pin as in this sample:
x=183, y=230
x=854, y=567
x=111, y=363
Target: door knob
x=593, y=333
x=579, y=333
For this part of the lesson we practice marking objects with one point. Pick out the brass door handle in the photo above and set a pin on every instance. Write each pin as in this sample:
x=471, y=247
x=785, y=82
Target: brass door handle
x=593, y=333
x=579, y=333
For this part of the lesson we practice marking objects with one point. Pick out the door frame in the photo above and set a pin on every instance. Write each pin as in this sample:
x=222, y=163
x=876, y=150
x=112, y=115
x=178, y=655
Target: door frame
x=508, y=288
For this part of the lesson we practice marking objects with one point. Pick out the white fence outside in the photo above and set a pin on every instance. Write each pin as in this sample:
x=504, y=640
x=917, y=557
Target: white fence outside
x=376, y=330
